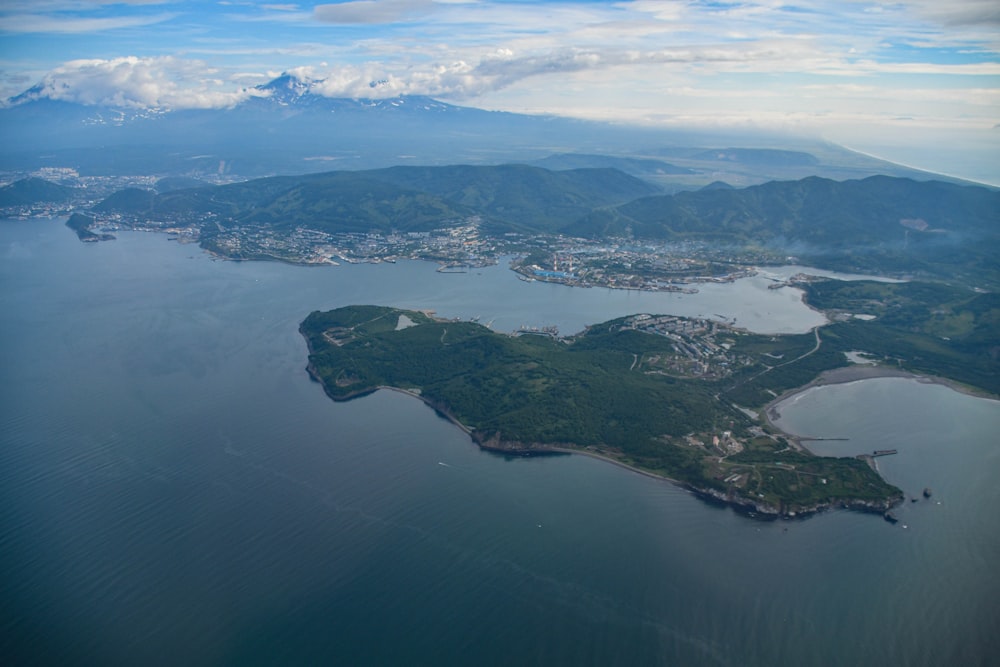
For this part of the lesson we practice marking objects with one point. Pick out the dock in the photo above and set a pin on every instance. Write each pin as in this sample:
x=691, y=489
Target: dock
x=870, y=458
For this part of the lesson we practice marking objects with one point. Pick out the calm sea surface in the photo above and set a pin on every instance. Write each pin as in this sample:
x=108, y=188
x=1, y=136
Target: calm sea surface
x=174, y=490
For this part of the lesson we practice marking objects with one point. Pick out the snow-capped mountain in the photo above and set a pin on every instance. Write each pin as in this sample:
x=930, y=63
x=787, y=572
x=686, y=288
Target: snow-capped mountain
x=286, y=89
x=291, y=92
x=285, y=125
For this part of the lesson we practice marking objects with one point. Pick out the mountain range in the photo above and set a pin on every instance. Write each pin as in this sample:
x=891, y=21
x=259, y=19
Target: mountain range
x=881, y=223
x=288, y=127
x=508, y=198
x=515, y=172
x=30, y=191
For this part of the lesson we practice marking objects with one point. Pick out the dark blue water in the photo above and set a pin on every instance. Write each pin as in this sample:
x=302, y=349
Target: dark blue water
x=174, y=490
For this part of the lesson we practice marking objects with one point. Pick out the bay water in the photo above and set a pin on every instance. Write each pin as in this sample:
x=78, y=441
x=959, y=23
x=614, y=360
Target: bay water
x=175, y=490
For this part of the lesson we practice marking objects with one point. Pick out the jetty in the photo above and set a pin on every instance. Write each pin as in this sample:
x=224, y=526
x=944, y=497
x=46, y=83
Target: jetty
x=870, y=458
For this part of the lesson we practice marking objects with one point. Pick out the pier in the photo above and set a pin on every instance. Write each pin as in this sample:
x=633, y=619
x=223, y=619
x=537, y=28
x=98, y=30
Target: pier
x=870, y=458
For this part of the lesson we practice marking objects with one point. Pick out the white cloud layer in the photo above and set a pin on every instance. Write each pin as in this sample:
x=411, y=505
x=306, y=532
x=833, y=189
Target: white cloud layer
x=131, y=82
x=852, y=65
x=373, y=11
x=41, y=23
x=959, y=12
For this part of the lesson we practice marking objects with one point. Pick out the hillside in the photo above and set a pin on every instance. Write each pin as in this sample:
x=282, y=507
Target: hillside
x=879, y=223
x=404, y=198
x=593, y=393
x=645, y=168
x=351, y=202
x=529, y=198
x=30, y=191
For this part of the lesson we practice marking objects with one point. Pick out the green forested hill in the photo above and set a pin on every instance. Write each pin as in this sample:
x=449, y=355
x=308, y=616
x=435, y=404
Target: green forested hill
x=928, y=328
x=639, y=167
x=407, y=198
x=529, y=388
x=520, y=196
x=604, y=391
x=879, y=223
x=622, y=391
x=135, y=201
x=353, y=202
x=836, y=214
x=29, y=191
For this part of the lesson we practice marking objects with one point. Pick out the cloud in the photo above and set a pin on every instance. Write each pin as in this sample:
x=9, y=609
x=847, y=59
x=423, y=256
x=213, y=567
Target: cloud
x=182, y=83
x=958, y=12
x=73, y=5
x=503, y=68
x=638, y=58
x=132, y=82
x=372, y=11
x=36, y=23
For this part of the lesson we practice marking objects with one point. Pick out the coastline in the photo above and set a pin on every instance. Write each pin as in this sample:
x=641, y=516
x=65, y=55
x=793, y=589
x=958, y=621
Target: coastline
x=750, y=507
x=522, y=450
x=856, y=373
x=747, y=506
x=753, y=506
x=616, y=462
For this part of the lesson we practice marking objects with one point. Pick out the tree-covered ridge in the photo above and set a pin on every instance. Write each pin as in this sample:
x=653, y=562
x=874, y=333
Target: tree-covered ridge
x=880, y=223
x=527, y=198
x=925, y=328
x=608, y=391
x=35, y=190
x=928, y=328
x=398, y=198
x=815, y=210
x=527, y=388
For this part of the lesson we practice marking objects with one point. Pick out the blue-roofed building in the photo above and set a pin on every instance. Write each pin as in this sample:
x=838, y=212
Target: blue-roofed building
x=541, y=273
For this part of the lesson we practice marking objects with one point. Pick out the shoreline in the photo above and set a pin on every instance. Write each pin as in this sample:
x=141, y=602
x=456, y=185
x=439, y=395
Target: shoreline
x=492, y=442
x=537, y=449
x=747, y=506
x=856, y=373
x=615, y=462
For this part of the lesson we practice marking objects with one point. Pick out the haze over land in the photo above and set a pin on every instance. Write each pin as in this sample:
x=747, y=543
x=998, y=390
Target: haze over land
x=914, y=82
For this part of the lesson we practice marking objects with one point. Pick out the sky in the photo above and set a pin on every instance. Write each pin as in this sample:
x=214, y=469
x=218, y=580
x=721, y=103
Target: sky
x=914, y=81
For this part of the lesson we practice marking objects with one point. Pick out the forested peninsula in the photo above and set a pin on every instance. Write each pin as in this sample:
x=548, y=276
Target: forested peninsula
x=670, y=396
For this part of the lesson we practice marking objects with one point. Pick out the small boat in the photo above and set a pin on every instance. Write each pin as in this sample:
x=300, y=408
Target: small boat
x=927, y=492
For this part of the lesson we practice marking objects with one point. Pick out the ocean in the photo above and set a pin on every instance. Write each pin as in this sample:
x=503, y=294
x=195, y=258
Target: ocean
x=175, y=490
